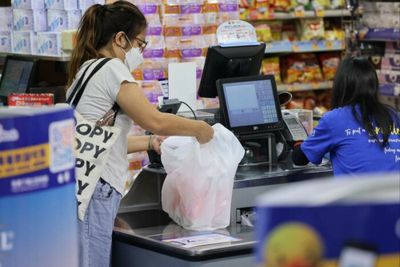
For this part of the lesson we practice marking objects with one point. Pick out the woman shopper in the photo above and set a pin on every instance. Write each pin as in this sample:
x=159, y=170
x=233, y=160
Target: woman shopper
x=116, y=31
x=361, y=134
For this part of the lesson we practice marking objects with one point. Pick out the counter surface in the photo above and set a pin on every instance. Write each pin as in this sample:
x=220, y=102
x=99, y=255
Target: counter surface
x=152, y=238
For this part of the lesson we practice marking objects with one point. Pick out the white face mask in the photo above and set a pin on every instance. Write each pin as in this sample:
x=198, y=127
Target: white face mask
x=133, y=58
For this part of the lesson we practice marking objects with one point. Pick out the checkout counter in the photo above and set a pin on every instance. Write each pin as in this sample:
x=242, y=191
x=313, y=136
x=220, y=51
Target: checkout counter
x=142, y=225
x=142, y=228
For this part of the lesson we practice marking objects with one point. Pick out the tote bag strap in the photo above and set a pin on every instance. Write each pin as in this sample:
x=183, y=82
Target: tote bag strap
x=78, y=84
x=79, y=89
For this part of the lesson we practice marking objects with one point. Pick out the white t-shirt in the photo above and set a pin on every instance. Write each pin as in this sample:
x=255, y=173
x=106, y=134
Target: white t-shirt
x=99, y=96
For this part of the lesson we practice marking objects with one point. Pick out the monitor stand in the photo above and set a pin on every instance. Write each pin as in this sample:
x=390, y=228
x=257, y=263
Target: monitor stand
x=259, y=149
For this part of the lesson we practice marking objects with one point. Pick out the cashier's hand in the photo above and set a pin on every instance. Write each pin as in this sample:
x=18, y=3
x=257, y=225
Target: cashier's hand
x=205, y=132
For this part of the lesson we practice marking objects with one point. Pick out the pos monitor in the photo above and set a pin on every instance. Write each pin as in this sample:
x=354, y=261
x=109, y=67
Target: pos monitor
x=250, y=104
x=229, y=62
x=16, y=76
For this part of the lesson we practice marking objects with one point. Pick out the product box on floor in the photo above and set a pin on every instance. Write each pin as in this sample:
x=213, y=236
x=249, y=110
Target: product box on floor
x=38, y=218
x=28, y=4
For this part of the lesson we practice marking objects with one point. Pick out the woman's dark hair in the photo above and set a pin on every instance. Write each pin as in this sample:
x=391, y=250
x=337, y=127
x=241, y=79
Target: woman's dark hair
x=356, y=85
x=99, y=25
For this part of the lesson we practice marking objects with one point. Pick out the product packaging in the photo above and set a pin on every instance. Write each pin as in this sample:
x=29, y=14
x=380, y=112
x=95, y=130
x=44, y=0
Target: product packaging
x=6, y=19
x=85, y=4
x=271, y=66
x=329, y=63
x=263, y=32
x=49, y=43
x=62, y=4
x=28, y=4
x=311, y=29
x=354, y=223
x=5, y=41
x=24, y=42
x=302, y=68
x=38, y=218
x=59, y=20
x=21, y=100
x=30, y=20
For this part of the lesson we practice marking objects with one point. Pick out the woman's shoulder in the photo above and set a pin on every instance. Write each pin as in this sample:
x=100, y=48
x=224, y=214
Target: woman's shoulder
x=338, y=113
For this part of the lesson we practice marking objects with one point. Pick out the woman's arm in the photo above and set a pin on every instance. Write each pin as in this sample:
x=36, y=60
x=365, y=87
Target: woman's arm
x=143, y=143
x=134, y=103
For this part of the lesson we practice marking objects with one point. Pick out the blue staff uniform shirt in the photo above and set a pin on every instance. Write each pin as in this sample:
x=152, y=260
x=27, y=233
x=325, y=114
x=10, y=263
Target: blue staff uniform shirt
x=352, y=150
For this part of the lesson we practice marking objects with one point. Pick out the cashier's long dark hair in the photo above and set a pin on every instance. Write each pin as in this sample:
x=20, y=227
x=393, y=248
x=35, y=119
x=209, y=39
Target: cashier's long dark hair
x=99, y=25
x=356, y=85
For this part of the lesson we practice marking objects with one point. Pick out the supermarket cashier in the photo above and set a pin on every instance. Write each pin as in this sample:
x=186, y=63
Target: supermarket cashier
x=361, y=134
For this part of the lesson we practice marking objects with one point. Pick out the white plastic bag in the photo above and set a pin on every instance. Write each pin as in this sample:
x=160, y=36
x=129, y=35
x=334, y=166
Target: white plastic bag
x=197, y=191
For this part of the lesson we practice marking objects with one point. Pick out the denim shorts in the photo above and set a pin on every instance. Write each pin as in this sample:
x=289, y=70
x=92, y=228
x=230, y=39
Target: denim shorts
x=95, y=231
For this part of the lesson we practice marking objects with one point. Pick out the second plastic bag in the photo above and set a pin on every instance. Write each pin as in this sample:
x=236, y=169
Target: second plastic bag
x=197, y=191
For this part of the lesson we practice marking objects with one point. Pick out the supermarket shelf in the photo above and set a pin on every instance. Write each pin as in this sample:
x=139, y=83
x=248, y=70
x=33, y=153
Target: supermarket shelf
x=303, y=46
x=390, y=89
x=305, y=86
x=65, y=58
x=305, y=14
x=384, y=35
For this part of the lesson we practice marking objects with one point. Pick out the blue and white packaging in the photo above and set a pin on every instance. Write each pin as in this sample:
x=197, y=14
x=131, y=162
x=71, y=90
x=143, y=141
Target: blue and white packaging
x=85, y=4
x=61, y=4
x=30, y=20
x=350, y=221
x=24, y=42
x=28, y=4
x=49, y=43
x=5, y=41
x=59, y=20
x=38, y=218
x=6, y=19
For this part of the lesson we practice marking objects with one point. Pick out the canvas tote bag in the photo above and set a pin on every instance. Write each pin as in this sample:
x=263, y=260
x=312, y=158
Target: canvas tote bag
x=94, y=140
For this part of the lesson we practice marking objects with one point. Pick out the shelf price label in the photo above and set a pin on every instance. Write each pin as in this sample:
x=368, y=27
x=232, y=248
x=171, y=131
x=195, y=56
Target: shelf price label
x=329, y=44
x=295, y=48
x=299, y=12
x=314, y=46
x=315, y=85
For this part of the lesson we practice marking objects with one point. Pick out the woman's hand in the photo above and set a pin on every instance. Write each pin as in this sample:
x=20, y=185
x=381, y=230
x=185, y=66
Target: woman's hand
x=156, y=142
x=205, y=133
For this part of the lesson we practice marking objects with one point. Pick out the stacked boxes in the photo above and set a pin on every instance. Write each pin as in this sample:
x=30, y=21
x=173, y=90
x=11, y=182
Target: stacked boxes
x=6, y=24
x=29, y=17
x=35, y=26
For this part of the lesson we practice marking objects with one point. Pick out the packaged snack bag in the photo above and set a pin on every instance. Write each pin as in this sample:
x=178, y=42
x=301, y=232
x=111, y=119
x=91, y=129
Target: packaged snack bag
x=329, y=63
x=271, y=66
x=311, y=29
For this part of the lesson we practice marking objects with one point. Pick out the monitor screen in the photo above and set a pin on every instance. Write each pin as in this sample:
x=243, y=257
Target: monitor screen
x=229, y=62
x=16, y=76
x=250, y=104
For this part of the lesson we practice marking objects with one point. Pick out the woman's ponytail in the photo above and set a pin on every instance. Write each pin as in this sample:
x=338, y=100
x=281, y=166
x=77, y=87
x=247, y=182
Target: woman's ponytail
x=86, y=40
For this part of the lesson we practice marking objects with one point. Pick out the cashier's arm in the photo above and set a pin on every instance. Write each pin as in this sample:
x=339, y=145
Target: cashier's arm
x=133, y=102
